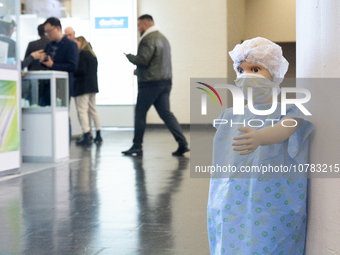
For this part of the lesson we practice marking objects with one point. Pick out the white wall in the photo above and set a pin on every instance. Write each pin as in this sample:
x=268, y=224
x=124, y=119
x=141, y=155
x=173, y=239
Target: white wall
x=318, y=54
x=197, y=32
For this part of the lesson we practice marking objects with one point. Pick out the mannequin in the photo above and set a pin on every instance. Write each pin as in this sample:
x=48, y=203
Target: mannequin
x=259, y=213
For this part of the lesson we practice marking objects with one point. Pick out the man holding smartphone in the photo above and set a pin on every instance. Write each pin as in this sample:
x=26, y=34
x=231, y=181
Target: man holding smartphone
x=61, y=54
x=154, y=73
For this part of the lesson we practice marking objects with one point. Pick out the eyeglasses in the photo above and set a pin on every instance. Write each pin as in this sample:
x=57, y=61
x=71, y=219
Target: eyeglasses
x=49, y=31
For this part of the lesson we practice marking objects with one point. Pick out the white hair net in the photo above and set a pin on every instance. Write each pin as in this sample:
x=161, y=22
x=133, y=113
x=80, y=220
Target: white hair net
x=263, y=52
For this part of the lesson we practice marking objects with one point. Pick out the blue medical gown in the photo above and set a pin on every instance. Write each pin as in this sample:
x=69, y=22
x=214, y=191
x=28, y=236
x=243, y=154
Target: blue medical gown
x=261, y=213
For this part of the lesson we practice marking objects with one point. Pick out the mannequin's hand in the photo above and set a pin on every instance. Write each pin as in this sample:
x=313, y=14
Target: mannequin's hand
x=252, y=140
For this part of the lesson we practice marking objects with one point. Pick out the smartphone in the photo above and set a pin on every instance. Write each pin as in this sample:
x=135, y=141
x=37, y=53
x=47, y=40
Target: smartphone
x=45, y=59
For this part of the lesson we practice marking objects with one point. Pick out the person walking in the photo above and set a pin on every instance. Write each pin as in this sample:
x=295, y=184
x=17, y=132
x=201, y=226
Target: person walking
x=154, y=74
x=85, y=89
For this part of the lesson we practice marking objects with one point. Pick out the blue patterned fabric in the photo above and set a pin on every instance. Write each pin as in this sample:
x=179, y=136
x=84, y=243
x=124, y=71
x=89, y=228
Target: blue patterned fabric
x=261, y=213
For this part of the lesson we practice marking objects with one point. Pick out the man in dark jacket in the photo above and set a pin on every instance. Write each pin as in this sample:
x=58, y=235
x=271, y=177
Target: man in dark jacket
x=154, y=73
x=61, y=54
x=33, y=64
x=37, y=45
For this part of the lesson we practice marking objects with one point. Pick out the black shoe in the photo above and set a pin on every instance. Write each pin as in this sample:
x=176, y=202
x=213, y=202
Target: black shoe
x=134, y=150
x=98, y=138
x=181, y=150
x=84, y=140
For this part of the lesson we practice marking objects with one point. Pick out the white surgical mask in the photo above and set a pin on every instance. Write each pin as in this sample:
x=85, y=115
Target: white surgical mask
x=262, y=87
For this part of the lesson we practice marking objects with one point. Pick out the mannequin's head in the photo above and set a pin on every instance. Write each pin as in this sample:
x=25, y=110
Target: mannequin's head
x=262, y=52
x=259, y=64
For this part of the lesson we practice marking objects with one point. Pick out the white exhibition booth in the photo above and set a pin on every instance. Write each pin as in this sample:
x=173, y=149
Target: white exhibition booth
x=111, y=28
x=10, y=158
x=45, y=118
x=10, y=93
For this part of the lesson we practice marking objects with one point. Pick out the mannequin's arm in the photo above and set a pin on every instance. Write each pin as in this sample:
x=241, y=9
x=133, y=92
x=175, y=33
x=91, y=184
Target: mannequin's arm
x=266, y=136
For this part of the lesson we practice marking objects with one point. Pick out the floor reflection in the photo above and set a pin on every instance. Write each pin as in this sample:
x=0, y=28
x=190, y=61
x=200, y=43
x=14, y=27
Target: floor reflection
x=155, y=229
x=105, y=203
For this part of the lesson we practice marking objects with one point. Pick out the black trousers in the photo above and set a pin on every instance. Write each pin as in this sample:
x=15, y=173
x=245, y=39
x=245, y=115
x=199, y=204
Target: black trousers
x=159, y=97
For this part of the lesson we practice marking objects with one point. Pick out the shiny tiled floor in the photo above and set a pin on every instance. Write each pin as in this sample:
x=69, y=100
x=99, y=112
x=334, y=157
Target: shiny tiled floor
x=103, y=203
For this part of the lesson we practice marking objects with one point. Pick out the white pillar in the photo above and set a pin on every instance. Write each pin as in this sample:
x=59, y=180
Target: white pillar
x=318, y=56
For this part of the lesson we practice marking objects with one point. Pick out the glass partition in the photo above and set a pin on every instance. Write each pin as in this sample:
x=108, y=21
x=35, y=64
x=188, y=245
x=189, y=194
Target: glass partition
x=8, y=35
x=36, y=93
x=61, y=92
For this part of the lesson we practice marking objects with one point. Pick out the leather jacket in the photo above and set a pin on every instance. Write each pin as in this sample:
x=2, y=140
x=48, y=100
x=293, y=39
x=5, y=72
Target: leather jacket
x=153, y=59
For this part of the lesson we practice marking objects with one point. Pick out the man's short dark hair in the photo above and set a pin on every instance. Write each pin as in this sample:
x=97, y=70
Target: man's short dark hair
x=53, y=22
x=146, y=17
x=41, y=30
